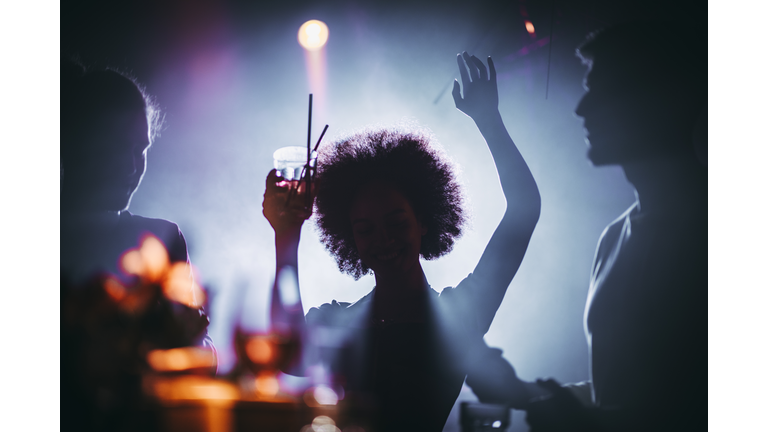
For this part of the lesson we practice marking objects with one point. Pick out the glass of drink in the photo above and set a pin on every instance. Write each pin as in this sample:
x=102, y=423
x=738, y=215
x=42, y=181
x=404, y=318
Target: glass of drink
x=290, y=163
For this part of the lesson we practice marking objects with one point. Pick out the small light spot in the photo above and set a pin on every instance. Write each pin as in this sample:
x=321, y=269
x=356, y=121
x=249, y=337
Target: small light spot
x=529, y=27
x=325, y=395
x=267, y=385
x=115, y=289
x=496, y=424
x=259, y=350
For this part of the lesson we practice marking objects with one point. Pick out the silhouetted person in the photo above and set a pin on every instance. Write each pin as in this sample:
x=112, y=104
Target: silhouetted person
x=385, y=199
x=646, y=312
x=107, y=125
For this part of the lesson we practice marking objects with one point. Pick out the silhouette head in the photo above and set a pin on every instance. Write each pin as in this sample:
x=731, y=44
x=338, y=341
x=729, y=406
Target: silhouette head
x=646, y=89
x=107, y=125
x=384, y=199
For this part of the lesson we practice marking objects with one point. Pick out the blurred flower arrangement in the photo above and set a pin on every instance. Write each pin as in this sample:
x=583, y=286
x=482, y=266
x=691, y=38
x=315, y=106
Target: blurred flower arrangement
x=135, y=357
x=115, y=329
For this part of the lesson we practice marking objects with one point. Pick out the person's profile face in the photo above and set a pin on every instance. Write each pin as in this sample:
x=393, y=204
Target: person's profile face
x=386, y=230
x=112, y=160
x=623, y=120
x=628, y=116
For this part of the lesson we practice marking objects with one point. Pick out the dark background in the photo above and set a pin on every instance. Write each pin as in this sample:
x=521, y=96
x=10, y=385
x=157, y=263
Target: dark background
x=232, y=82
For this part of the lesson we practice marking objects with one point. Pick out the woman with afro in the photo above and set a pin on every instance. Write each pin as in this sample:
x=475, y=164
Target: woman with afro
x=385, y=199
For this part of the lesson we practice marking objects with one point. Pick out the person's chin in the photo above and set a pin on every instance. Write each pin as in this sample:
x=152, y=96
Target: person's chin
x=599, y=158
x=603, y=154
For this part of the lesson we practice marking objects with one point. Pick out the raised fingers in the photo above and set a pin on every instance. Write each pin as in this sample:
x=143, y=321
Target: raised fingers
x=457, y=94
x=473, y=71
x=462, y=70
x=272, y=179
x=480, y=67
x=492, y=68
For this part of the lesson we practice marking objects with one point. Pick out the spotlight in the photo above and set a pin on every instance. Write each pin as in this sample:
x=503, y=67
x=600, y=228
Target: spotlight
x=313, y=35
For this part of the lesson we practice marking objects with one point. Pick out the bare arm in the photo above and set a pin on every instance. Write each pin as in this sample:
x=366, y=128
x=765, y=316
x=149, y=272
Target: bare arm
x=286, y=311
x=506, y=249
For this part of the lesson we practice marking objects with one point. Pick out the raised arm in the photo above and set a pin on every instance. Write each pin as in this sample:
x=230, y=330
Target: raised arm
x=506, y=249
x=286, y=311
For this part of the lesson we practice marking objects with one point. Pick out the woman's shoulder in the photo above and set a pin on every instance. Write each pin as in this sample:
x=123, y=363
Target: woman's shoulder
x=335, y=313
x=461, y=292
x=460, y=303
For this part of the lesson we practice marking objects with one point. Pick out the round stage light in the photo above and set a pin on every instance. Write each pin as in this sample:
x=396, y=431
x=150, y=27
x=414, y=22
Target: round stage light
x=313, y=35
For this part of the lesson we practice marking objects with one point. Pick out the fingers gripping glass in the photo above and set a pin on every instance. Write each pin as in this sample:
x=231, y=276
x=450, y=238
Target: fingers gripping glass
x=297, y=165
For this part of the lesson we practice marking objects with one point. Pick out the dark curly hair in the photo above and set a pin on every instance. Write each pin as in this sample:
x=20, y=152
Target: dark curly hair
x=407, y=162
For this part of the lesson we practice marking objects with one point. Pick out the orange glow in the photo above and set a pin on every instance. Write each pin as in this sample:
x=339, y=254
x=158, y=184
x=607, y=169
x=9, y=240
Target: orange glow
x=313, y=35
x=179, y=359
x=155, y=258
x=192, y=388
x=114, y=289
x=149, y=261
x=267, y=385
x=259, y=350
x=132, y=262
x=180, y=286
x=529, y=27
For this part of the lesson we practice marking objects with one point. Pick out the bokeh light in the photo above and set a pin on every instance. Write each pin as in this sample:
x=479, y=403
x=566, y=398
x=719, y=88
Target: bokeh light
x=313, y=35
x=192, y=388
x=259, y=350
x=267, y=385
x=180, y=359
x=322, y=424
x=529, y=27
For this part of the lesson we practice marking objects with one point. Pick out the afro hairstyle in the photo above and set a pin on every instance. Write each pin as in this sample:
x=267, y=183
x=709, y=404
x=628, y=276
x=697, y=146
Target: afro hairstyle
x=409, y=163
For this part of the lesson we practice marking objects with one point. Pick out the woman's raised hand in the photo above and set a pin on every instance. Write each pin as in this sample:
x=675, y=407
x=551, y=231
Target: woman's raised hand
x=284, y=214
x=481, y=96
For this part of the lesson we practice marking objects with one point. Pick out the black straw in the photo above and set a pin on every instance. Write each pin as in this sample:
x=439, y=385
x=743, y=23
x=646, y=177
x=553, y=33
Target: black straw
x=308, y=180
x=320, y=139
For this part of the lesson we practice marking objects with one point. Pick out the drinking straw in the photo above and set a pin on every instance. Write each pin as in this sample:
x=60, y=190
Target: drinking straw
x=320, y=139
x=304, y=170
x=308, y=179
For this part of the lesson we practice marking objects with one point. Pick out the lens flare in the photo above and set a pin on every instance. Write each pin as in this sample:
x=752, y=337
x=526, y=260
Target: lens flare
x=313, y=35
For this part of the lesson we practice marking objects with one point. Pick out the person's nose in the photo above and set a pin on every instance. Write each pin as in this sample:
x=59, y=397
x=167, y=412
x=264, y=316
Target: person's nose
x=385, y=237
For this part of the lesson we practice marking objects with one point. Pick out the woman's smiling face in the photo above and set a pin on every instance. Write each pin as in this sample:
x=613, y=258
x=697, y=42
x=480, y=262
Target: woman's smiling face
x=386, y=230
